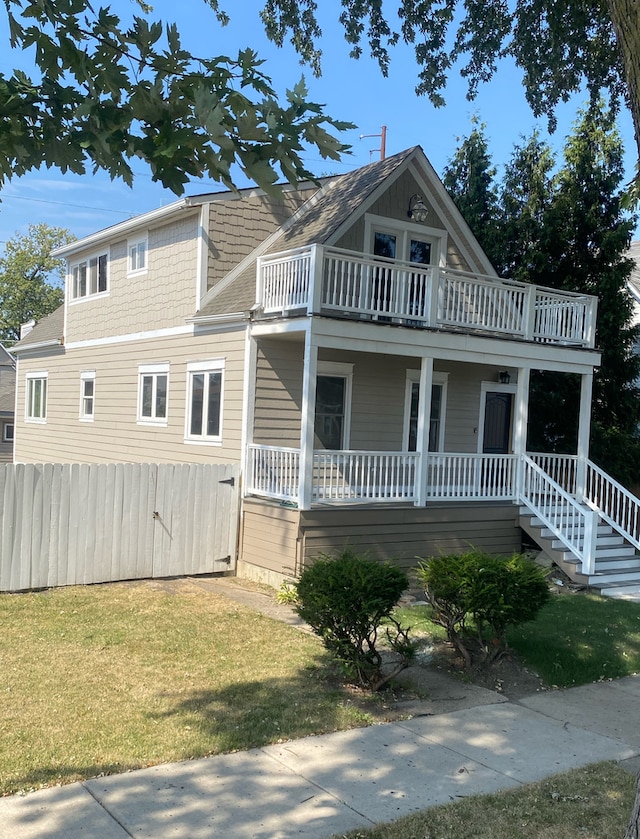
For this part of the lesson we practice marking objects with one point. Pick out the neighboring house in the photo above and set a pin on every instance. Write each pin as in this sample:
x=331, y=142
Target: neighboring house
x=348, y=343
x=7, y=404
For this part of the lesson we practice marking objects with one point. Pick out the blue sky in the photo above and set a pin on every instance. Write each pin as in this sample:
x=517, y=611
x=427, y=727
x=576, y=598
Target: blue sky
x=351, y=90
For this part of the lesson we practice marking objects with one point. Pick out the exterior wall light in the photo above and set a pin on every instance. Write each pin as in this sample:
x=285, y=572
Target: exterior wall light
x=418, y=210
x=505, y=377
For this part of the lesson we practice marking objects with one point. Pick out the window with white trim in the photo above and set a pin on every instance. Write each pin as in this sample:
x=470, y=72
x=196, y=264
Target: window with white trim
x=153, y=392
x=204, y=405
x=87, y=395
x=7, y=432
x=436, y=418
x=333, y=405
x=137, y=251
x=36, y=397
x=89, y=277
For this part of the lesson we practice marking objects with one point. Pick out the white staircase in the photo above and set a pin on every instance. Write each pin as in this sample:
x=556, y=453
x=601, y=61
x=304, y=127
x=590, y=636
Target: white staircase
x=616, y=570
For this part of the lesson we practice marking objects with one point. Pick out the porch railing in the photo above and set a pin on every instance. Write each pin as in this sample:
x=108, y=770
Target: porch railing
x=352, y=284
x=471, y=477
x=364, y=476
x=544, y=483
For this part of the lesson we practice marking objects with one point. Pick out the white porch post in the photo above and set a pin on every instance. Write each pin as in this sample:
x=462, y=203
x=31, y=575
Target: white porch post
x=521, y=417
x=314, y=302
x=309, y=374
x=422, y=436
x=584, y=429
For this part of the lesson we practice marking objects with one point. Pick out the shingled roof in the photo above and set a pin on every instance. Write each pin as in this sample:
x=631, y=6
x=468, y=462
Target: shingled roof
x=316, y=222
x=49, y=330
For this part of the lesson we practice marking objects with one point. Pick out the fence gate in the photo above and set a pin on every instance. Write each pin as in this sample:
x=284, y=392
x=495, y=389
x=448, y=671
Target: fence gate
x=69, y=524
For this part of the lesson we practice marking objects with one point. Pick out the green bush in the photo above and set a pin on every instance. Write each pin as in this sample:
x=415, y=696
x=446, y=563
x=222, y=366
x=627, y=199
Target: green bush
x=345, y=599
x=476, y=597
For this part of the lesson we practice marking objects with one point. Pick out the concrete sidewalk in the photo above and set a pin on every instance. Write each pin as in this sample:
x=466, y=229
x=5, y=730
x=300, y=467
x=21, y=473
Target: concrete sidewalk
x=320, y=786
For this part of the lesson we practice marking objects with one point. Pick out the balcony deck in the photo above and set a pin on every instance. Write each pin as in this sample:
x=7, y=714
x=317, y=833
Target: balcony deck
x=329, y=281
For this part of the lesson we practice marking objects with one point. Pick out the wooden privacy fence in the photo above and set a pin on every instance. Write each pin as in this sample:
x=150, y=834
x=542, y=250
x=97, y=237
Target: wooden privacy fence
x=70, y=524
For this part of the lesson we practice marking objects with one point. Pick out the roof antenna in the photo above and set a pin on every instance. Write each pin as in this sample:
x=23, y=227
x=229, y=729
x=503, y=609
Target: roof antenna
x=383, y=142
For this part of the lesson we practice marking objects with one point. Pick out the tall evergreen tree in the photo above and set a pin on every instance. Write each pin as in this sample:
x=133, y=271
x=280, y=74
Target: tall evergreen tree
x=589, y=235
x=525, y=195
x=470, y=180
x=567, y=230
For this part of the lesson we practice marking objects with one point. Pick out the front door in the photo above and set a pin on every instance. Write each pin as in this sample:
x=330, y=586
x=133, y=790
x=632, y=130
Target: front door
x=497, y=423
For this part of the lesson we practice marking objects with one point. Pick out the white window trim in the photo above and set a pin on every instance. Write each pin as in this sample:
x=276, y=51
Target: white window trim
x=85, y=260
x=5, y=438
x=493, y=387
x=134, y=243
x=345, y=371
x=159, y=369
x=213, y=365
x=87, y=376
x=438, y=378
x=31, y=377
x=405, y=230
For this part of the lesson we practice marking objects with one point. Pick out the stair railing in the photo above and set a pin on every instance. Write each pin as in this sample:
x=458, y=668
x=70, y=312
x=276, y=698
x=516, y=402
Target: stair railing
x=617, y=506
x=572, y=523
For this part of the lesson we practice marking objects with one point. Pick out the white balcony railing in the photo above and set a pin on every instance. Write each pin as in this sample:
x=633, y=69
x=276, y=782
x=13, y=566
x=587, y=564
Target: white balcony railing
x=319, y=279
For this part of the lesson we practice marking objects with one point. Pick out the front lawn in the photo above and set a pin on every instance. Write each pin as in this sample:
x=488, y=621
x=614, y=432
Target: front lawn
x=106, y=678
x=576, y=639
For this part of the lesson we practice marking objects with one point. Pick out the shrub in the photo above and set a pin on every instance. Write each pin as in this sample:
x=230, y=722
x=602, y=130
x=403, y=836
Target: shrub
x=476, y=597
x=345, y=599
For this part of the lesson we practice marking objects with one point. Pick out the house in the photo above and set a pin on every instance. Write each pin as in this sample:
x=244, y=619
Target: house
x=7, y=404
x=350, y=346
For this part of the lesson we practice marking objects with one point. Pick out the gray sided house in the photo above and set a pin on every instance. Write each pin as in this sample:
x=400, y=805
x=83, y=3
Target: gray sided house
x=7, y=404
x=349, y=345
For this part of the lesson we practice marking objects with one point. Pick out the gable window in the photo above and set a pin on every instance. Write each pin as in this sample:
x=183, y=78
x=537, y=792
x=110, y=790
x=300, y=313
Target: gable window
x=153, y=389
x=36, y=397
x=333, y=405
x=436, y=418
x=204, y=407
x=137, y=256
x=87, y=395
x=89, y=277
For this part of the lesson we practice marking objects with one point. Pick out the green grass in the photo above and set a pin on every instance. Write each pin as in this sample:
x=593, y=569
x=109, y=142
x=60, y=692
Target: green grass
x=590, y=803
x=576, y=639
x=102, y=679
x=581, y=638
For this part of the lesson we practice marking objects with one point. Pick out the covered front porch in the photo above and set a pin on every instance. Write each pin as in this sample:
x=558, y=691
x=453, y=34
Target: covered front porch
x=341, y=420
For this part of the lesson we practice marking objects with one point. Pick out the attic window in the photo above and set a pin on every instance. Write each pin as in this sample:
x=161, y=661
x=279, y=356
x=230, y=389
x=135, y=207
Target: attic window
x=89, y=277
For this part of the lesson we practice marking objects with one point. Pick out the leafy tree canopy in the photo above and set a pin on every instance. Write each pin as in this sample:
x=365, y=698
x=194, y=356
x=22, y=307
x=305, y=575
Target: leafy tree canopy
x=560, y=47
x=105, y=92
x=30, y=279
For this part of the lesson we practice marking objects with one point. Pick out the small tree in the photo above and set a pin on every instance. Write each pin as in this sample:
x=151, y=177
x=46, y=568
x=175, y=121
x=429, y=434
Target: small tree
x=476, y=597
x=347, y=600
x=30, y=278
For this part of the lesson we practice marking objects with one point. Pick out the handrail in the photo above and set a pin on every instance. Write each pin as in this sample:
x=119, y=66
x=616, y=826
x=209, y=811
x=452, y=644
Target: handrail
x=571, y=523
x=617, y=506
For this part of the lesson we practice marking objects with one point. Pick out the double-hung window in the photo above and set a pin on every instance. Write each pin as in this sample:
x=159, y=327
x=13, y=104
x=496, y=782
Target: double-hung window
x=436, y=416
x=204, y=406
x=36, y=397
x=89, y=277
x=333, y=405
x=153, y=391
x=87, y=395
x=138, y=253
